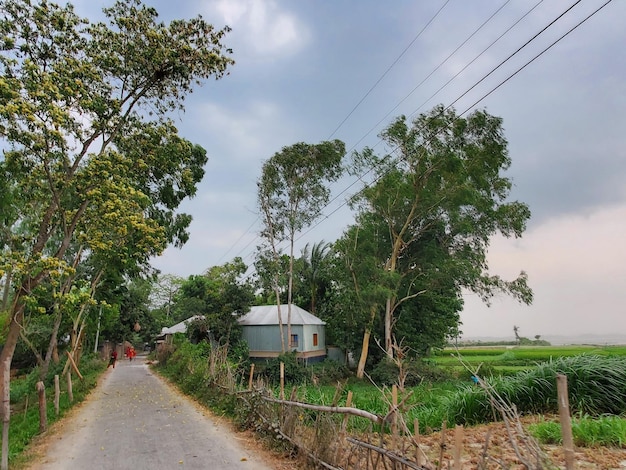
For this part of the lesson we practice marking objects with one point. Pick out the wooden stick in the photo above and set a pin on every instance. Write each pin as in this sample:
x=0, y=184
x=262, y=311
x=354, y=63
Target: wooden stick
x=416, y=441
x=344, y=423
x=251, y=376
x=57, y=394
x=43, y=415
x=566, y=421
x=394, y=417
x=74, y=365
x=458, y=446
x=70, y=393
x=442, y=445
x=330, y=409
x=282, y=380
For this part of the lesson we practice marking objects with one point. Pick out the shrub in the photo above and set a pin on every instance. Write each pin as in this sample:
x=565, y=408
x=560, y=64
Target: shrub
x=329, y=372
x=295, y=371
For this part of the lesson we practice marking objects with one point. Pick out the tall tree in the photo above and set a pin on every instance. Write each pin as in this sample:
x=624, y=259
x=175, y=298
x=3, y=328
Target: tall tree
x=83, y=114
x=292, y=191
x=442, y=186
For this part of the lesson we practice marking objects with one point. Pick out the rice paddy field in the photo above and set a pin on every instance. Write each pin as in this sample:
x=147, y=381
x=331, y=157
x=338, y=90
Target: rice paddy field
x=510, y=359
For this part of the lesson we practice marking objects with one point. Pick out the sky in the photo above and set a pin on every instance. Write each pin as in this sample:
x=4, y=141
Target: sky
x=310, y=71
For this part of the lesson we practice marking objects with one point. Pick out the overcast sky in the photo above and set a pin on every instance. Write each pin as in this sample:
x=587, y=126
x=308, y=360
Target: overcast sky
x=313, y=70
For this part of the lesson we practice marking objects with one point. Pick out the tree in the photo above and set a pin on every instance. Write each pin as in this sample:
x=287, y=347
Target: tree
x=83, y=115
x=440, y=196
x=221, y=296
x=291, y=193
x=312, y=274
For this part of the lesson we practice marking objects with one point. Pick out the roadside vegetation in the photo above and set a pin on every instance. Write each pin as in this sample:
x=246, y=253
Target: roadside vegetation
x=24, y=401
x=436, y=394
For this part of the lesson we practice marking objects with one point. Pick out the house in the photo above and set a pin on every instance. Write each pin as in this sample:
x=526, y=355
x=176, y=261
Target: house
x=167, y=332
x=261, y=329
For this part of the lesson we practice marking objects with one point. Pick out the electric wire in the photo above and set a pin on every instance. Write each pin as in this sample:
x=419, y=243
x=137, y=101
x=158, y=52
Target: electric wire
x=327, y=216
x=492, y=90
x=387, y=71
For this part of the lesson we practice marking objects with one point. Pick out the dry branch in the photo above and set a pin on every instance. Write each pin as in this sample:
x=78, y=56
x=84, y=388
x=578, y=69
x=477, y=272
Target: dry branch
x=330, y=409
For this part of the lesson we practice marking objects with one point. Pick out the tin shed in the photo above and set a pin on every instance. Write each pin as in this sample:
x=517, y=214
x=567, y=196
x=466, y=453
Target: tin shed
x=261, y=329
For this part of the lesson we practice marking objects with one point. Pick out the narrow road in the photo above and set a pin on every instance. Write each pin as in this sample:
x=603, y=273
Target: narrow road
x=133, y=420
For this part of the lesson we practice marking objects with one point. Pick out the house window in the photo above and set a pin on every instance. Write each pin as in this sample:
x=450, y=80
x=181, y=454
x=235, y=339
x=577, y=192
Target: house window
x=314, y=339
x=294, y=341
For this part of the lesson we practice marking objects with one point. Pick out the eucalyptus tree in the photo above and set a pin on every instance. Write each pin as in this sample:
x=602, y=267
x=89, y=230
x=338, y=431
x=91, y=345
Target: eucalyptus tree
x=291, y=193
x=88, y=144
x=440, y=195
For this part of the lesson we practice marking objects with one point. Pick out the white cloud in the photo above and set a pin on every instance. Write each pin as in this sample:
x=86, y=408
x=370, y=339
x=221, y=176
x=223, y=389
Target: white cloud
x=263, y=26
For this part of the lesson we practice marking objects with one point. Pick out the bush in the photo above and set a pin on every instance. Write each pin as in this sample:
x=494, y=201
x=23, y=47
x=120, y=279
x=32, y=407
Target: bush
x=295, y=371
x=329, y=372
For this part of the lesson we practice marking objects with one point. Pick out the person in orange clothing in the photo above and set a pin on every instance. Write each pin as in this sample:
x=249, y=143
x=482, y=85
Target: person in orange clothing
x=131, y=353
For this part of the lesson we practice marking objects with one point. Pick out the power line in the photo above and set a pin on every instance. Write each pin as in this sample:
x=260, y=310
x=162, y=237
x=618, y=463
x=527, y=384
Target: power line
x=325, y=217
x=387, y=71
x=481, y=80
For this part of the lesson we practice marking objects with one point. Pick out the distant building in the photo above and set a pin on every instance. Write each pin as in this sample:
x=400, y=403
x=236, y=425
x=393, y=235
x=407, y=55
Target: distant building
x=168, y=332
x=261, y=330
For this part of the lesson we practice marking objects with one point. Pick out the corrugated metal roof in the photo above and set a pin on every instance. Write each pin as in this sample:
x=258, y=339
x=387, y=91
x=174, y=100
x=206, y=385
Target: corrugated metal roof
x=268, y=315
x=180, y=327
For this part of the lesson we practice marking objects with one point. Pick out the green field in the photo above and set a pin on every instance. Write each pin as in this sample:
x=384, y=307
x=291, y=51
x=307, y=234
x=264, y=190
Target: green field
x=509, y=359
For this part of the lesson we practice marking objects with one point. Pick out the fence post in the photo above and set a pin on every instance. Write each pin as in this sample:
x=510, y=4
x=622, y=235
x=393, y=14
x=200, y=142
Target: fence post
x=566, y=421
x=282, y=380
x=57, y=394
x=70, y=393
x=458, y=446
x=251, y=375
x=43, y=416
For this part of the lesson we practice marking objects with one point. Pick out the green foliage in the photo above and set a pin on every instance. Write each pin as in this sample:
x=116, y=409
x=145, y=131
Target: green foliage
x=424, y=223
x=25, y=422
x=386, y=372
x=329, y=372
x=595, y=385
x=295, y=371
x=609, y=431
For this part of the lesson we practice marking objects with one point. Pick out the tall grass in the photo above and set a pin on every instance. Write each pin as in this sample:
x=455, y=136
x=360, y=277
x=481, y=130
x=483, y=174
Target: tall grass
x=596, y=386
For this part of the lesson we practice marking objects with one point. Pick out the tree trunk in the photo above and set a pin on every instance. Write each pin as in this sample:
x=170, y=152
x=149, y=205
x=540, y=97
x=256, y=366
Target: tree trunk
x=6, y=357
x=366, y=343
x=388, y=342
x=364, y=349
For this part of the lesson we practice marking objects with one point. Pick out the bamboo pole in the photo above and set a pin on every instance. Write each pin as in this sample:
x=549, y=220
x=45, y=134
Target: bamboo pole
x=566, y=421
x=416, y=441
x=394, y=417
x=330, y=409
x=282, y=380
x=43, y=415
x=57, y=394
x=458, y=446
x=73, y=364
x=344, y=422
x=70, y=392
x=442, y=445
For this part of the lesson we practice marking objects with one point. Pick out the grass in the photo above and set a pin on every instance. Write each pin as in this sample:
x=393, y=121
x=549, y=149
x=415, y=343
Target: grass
x=603, y=431
x=24, y=425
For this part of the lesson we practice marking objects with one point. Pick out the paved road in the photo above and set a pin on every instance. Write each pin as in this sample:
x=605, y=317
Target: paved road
x=133, y=420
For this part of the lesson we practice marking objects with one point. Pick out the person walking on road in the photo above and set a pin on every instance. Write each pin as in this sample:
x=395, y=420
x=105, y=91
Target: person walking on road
x=113, y=359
